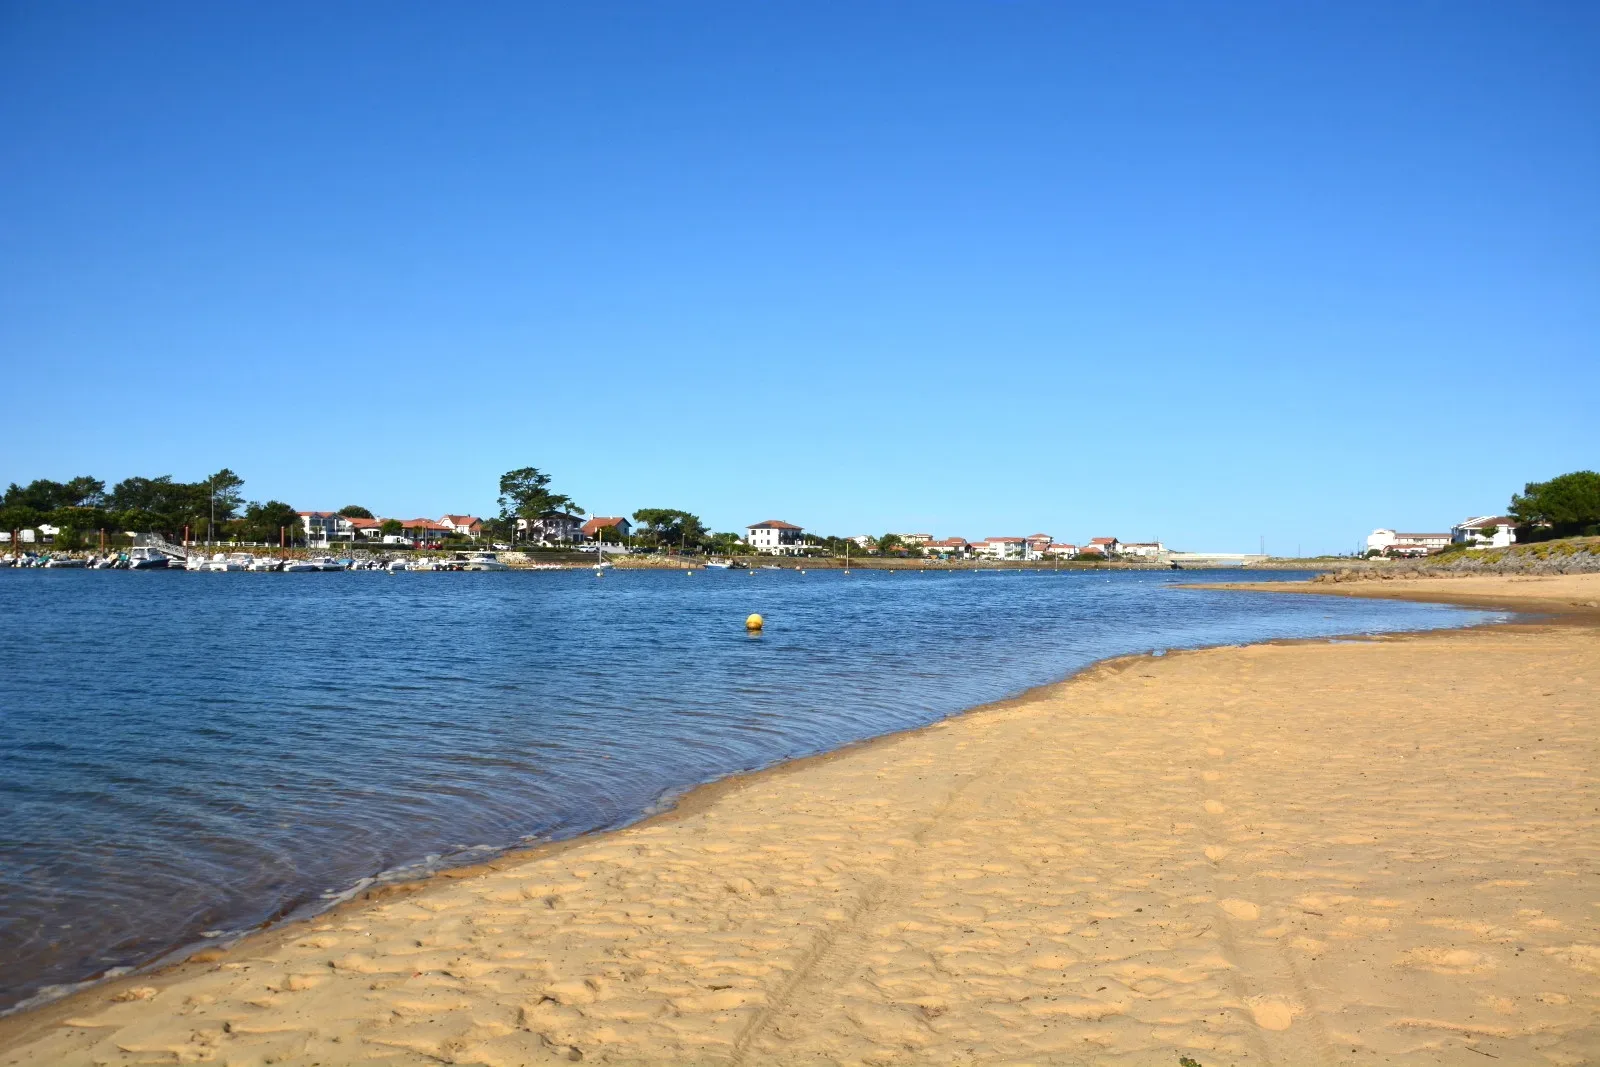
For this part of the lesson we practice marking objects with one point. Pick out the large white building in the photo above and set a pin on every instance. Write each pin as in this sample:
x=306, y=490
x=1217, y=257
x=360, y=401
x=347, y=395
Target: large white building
x=775, y=537
x=1486, y=531
x=1392, y=543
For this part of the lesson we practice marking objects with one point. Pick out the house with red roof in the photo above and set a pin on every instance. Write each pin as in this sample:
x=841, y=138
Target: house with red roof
x=465, y=525
x=425, y=531
x=621, y=529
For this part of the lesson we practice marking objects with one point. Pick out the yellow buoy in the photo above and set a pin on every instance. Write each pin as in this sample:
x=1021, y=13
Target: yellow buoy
x=754, y=622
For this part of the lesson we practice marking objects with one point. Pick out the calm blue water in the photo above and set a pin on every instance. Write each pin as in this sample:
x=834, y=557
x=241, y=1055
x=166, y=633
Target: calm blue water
x=190, y=755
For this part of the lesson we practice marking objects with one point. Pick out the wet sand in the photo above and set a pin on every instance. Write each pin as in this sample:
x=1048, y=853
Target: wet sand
x=1366, y=851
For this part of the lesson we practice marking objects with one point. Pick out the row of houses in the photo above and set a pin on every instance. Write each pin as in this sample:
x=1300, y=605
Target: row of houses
x=323, y=528
x=1033, y=547
x=552, y=528
x=1482, y=531
x=771, y=537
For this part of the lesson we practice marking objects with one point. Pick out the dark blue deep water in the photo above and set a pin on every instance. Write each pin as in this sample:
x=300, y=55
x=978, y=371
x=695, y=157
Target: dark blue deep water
x=185, y=756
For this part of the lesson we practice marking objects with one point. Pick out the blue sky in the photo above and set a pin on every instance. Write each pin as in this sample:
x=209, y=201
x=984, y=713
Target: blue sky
x=1207, y=272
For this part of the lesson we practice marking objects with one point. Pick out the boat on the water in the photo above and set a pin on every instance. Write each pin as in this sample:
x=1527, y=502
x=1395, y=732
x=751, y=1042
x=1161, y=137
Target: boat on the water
x=483, y=561
x=327, y=563
x=221, y=561
x=298, y=566
x=64, y=561
x=263, y=563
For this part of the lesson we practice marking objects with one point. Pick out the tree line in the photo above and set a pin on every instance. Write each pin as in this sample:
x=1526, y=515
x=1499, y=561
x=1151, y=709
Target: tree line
x=1565, y=506
x=213, y=507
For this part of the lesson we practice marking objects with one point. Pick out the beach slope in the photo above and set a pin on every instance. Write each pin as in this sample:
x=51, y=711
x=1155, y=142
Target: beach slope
x=1303, y=853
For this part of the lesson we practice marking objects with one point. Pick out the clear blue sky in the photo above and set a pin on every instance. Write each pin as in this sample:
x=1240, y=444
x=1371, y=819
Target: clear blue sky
x=1198, y=271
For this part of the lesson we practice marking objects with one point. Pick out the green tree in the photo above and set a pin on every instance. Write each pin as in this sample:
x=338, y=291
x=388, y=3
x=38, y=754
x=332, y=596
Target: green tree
x=225, y=491
x=355, y=511
x=1570, y=503
x=261, y=522
x=890, y=542
x=670, y=527
x=19, y=517
x=390, y=527
x=525, y=493
x=41, y=494
x=728, y=544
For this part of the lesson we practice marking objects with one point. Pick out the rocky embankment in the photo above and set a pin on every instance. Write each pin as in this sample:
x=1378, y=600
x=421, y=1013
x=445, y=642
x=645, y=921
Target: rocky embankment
x=1572, y=555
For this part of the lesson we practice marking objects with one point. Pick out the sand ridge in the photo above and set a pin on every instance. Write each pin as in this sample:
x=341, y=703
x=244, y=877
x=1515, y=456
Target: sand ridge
x=1297, y=854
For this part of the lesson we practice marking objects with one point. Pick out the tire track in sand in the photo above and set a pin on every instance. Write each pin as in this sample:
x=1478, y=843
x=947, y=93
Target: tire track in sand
x=834, y=948
x=1288, y=1029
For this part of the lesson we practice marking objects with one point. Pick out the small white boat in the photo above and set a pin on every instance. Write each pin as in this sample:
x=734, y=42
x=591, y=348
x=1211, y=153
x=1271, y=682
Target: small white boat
x=222, y=562
x=326, y=563
x=298, y=566
x=397, y=565
x=263, y=564
x=195, y=562
x=64, y=561
x=484, y=561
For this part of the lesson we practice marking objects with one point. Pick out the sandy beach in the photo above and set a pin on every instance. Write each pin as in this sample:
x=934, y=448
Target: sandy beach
x=1357, y=851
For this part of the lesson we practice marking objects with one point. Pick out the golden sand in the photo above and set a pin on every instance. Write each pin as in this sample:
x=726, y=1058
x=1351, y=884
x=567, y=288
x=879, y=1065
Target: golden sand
x=1306, y=853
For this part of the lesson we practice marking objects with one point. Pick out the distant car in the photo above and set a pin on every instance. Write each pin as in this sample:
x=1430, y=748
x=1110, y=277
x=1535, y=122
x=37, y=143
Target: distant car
x=500, y=546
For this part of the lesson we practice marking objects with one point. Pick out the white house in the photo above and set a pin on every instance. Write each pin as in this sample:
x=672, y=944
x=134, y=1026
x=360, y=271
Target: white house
x=1486, y=531
x=1141, y=549
x=1061, y=551
x=551, y=528
x=324, y=527
x=864, y=541
x=1001, y=547
x=1038, y=545
x=915, y=540
x=775, y=537
x=950, y=546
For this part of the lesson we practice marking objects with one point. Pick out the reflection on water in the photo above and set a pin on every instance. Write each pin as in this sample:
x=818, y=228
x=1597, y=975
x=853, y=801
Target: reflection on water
x=189, y=755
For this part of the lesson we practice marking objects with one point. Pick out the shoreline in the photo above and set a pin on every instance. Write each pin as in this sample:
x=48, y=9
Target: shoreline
x=669, y=807
x=692, y=797
x=699, y=801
